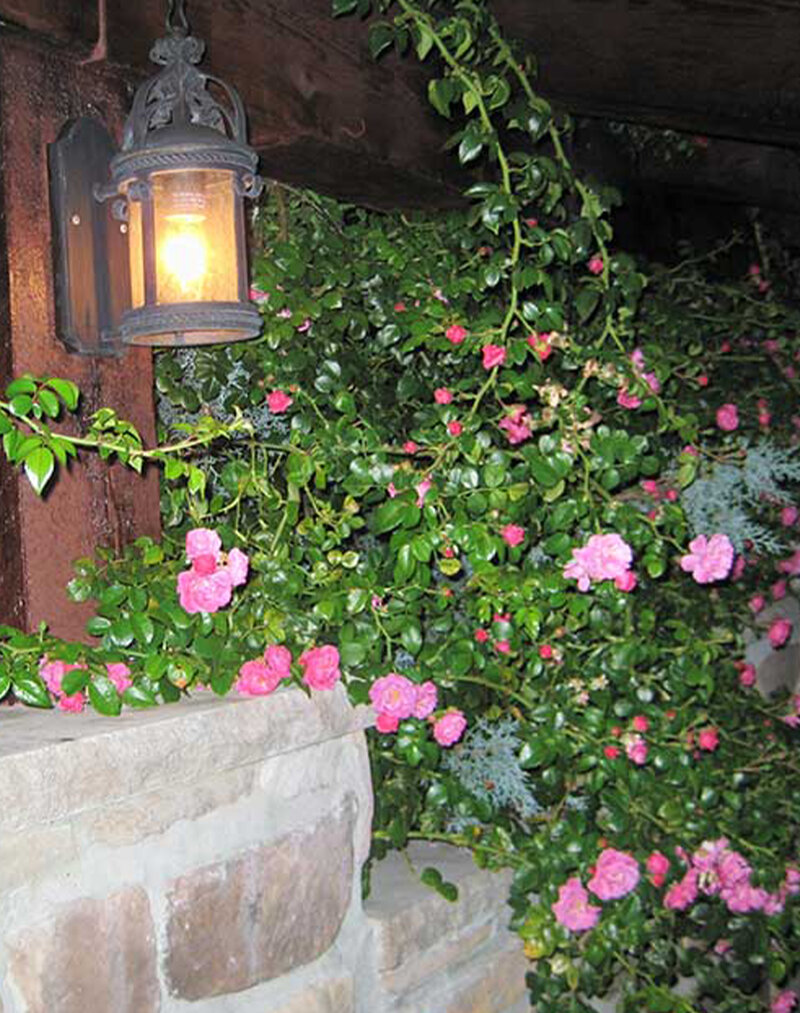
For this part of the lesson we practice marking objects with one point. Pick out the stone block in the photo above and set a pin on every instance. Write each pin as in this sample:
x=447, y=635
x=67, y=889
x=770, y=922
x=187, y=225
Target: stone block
x=335, y=996
x=257, y=916
x=92, y=955
x=493, y=982
x=409, y=918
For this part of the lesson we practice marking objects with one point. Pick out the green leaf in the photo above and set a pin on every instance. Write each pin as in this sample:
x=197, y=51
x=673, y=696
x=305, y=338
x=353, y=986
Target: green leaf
x=440, y=95
x=381, y=36
x=74, y=681
x=98, y=626
x=139, y=696
x=103, y=696
x=66, y=390
x=51, y=406
x=424, y=41
x=5, y=684
x=299, y=469
x=39, y=468
x=387, y=516
x=143, y=629
x=22, y=385
x=31, y=690
x=21, y=405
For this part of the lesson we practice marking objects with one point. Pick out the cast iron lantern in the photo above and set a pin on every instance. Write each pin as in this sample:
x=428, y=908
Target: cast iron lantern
x=165, y=239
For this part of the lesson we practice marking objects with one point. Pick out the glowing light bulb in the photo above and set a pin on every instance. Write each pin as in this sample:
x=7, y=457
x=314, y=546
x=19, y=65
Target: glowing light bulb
x=184, y=257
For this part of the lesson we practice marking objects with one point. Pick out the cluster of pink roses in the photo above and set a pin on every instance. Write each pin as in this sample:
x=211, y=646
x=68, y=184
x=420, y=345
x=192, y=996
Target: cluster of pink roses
x=717, y=870
x=263, y=675
x=53, y=672
x=615, y=875
x=604, y=557
x=395, y=698
x=208, y=585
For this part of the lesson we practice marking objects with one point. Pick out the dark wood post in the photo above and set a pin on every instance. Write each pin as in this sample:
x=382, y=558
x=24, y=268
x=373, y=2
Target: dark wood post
x=41, y=88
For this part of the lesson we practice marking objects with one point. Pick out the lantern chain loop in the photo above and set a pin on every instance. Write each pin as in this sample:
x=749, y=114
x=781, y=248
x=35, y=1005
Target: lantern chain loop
x=176, y=13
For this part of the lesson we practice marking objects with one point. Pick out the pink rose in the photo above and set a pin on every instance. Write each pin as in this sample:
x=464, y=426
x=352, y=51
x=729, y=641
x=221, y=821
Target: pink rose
x=410, y=447
x=493, y=355
x=237, y=566
x=513, y=534
x=119, y=673
x=422, y=490
x=611, y=752
x=747, y=676
x=779, y=632
x=572, y=909
x=257, y=678
x=481, y=636
x=278, y=401
x=784, y=1002
x=399, y=307
x=728, y=417
x=279, y=661
x=626, y=581
x=386, y=724
x=680, y=895
x=658, y=867
x=426, y=701
x=636, y=750
x=52, y=672
x=778, y=590
x=517, y=425
x=540, y=343
x=788, y=516
x=455, y=428
x=791, y=566
x=604, y=557
x=321, y=666
x=455, y=334
x=199, y=591
x=202, y=542
x=503, y=647
x=442, y=395
x=626, y=400
x=756, y=603
x=73, y=704
x=596, y=265
x=709, y=559
x=640, y=723
x=450, y=727
x=708, y=739
x=615, y=874
x=258, y=295
x=394, y=695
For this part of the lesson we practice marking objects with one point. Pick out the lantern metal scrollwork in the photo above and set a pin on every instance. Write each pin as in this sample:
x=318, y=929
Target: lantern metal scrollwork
x=170, y=222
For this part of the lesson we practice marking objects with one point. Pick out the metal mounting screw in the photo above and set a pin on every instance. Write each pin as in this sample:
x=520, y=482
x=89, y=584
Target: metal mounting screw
x=76, y=219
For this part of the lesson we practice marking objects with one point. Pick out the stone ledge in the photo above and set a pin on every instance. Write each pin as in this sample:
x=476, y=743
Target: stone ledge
x=63, y=764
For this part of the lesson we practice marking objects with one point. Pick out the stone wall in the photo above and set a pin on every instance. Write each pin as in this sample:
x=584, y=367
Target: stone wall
x=207, y=856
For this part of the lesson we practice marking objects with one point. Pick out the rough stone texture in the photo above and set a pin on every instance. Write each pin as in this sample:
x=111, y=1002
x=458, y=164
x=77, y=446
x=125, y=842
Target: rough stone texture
x=491, y=983
x=410, y=918
x=331, y=997
x=91, y=956
x=249, y=920
x=27, y=855
x=85, y=761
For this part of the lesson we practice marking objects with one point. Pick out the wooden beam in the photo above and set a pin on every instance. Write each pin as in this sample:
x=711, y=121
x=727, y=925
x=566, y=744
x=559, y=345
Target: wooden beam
x=719, y=67
x=321, y=111
x=92, y=504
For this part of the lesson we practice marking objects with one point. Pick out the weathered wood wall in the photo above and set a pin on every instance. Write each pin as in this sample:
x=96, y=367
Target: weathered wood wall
x=40, y=89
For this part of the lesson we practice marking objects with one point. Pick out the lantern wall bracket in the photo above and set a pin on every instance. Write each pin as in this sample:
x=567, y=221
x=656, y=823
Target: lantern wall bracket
x=90, y=244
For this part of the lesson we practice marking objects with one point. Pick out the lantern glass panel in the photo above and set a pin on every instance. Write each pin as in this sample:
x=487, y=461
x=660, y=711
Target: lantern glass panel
x=136, y=252
x=195, y=236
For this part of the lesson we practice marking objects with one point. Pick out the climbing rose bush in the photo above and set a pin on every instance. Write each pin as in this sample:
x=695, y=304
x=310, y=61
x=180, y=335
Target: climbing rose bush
x=520, y=494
